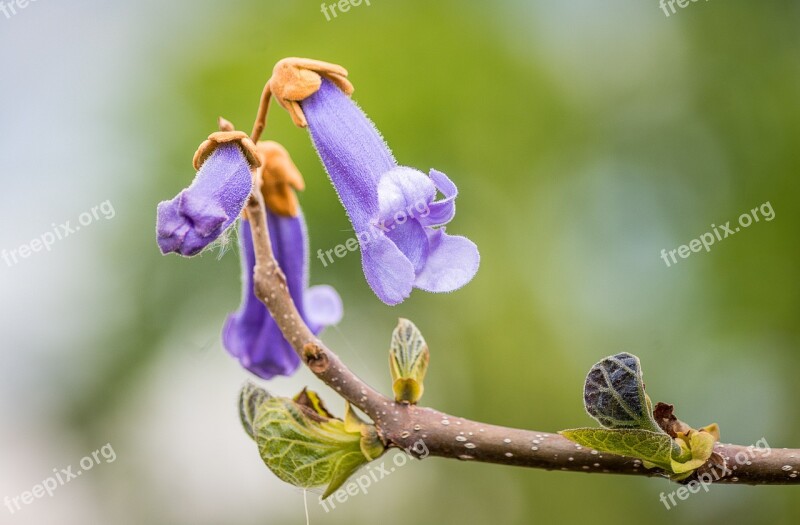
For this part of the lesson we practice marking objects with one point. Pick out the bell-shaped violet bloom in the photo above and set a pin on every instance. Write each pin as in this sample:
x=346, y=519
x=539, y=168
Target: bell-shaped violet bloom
x=251, y=334
x=198, y=215
x=392, y=208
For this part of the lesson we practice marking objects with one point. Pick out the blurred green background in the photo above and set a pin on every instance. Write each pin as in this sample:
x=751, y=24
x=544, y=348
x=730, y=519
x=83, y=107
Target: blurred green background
x=584, y=137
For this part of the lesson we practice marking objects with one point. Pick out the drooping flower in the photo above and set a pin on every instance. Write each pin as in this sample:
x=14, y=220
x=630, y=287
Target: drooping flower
x=199, y=214
x=251, y=334
x=393, y=209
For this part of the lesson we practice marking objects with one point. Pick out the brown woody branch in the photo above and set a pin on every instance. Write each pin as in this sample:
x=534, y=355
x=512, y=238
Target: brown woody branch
x=402, y=425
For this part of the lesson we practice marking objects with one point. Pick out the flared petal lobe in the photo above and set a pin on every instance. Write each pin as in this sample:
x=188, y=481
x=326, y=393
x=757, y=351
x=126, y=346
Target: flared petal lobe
x=323, y=307
x=452, y=262
x=441, y=212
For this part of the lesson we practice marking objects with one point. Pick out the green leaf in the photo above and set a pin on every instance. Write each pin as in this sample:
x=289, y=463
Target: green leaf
x=250, y=398
x=651, y=447
x=408, y=362
x=304, y=451
x=302, y=443
x=310, y=399
x=371, y=444
x=696, y=447
x=614, y=395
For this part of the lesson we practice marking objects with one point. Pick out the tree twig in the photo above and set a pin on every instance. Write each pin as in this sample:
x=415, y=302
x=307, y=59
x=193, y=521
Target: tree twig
x=402, y=425
x=261, y=116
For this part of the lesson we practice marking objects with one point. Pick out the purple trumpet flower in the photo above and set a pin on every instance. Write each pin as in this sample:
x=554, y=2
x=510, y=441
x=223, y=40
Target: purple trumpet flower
x=392, y=208
x=251, y=334
x=198, y=215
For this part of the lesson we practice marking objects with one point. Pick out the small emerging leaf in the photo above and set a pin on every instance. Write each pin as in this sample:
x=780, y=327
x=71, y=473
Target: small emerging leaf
x=650, y=447
x=614, y=394
x=696, y=447
x=309, y=398
x=408, y=361
x=371, y=445
x=712, y=429
x=352, y=423
x=250, y=399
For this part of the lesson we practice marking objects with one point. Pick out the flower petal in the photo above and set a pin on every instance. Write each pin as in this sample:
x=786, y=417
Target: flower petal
x=411, y=239
x=323, y=307
x=198, y=215
x=290, y=246
x=441, y=212
x=404, y=192
x=351, y=149
x=389, y=273
x=260, y=346
x=398, y=201
x=206, y=215
x=452, y=262
x=250, y=334
x=171, y=226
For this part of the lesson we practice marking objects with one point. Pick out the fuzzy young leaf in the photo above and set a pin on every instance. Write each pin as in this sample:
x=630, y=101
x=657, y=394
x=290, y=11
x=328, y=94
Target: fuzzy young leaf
x=250, y=398
x=310, y=399
x=650, y=447
x=305, y=447
x=408, y=361
x=696, y=448
x=371, y=444
x=614, y=395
